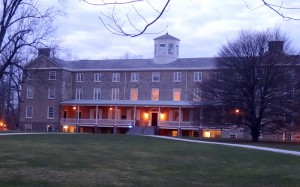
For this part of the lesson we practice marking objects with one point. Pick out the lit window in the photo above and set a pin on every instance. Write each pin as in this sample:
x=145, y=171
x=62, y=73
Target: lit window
x=197, y=76
x=196, y=94
x=171, y=49
x=29, y=112
x=115, y=93
x=51, y=93
x=155, y=94
x=97, y=93
x=97, y=77
x=155, y=76
x=176, y=94
x=134, y=77
x=79, y=93
x=134, y=94
x=30, y=92
x=28, y=127
x=177, y=76
x=116, y=77
x=79, y=77
x=52, y=75
x=50, y=112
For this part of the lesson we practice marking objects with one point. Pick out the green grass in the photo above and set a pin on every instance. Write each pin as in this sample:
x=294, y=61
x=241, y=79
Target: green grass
x=121, y=160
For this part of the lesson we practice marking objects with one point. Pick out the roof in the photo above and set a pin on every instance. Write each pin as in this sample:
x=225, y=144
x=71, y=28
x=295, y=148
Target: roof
x=136, y=64
x=129, y=103
x=166, y=36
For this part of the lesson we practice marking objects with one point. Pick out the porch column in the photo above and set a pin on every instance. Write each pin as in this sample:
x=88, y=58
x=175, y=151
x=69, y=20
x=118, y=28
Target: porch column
x=134, y=115
x=115, y=125
x=179, y=123
x=158, y=124
x=96, y=123
x=200, y=132
x=78, y=115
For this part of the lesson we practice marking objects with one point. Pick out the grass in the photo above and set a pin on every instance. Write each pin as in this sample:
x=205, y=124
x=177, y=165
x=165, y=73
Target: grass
x=122, y=160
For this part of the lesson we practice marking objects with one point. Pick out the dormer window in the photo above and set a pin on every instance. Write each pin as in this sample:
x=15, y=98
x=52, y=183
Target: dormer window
x=171, y=49
x=162, y=48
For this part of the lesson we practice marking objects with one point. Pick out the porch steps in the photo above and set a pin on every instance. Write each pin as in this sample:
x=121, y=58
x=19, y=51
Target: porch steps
x=142, y=130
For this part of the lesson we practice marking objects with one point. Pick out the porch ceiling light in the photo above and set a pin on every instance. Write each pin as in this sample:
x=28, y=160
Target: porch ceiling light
x=162, y=116
x=146, y=115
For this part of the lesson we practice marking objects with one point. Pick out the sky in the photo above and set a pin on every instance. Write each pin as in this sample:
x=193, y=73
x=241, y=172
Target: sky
x=202, y=26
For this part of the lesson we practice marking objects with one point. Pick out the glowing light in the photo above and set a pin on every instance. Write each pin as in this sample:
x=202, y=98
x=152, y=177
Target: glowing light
x=110, y=108
x=162, y=116
x=206, y=134
x=146, y=115
x=74, y=107
x=237, y=111
x=65, y=127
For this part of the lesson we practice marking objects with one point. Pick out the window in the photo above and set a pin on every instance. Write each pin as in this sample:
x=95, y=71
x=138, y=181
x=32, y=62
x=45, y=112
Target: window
x=115, y=93
x=162, y=48
x=196, y=94
x=155, y=76
x=97, y=93
x=177, y=50
x=97, y=77
x=197, y=76
x=79, y=77
x=155, y=94
x=134, y=94
x=171, y=49
x=50, y=112
x=175, y=115
x=28, y=127
x=52, y=75
x=30, y=92
x=116, y=77
x=79, y=93
x=51, y=93
x=287, y=136
x=29, y=112
x=50, y=128
x=177, y=76
x=134, y=77
x=30, y=76
x=232, y=136
x=176, y=94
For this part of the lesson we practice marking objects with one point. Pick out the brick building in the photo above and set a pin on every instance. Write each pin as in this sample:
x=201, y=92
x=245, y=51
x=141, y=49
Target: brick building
x=159, y=95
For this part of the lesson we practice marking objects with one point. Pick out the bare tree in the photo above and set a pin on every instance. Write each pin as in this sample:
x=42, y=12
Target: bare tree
x=257, y=80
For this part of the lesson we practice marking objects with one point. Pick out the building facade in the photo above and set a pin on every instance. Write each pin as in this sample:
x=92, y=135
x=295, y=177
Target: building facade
x=150, y=96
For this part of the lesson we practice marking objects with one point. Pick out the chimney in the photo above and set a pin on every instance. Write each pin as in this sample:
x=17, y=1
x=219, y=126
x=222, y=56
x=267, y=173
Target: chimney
x=44, y=52
x=276, y=46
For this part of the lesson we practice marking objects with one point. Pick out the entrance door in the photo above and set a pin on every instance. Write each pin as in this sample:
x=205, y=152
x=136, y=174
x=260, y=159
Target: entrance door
x=154, y=119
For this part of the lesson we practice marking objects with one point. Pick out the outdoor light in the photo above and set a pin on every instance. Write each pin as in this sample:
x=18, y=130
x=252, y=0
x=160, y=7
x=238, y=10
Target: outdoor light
x=110, y=108
x=74, y=107
x=237, y=111
x=162, y=116
x=146, y=115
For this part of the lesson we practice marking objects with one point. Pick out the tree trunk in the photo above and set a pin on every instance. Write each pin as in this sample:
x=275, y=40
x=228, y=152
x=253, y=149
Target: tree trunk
x=255, y=133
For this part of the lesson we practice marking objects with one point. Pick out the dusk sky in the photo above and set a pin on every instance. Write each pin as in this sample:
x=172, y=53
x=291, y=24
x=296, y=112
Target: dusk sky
x=202, y=26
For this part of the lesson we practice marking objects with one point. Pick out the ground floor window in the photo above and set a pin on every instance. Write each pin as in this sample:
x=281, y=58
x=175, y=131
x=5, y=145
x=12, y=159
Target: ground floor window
x=28, y=127
x=232, y=136
x=211, y=133
x=50, y=128
x=287, y=137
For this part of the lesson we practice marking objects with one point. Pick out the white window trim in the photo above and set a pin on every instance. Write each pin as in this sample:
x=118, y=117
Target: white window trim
x=197, y=94
x=97, y=94
x=97, y=77
x=79, y=94
x=48, y=112
x=49, y=93
x=27, y=107
x=79, y=77
x=198, y=76
x=134, y=77
x=155, y=73
x=116, y=77
x=152, y=96
x=177, y=77
x=50, y=75
x=30, y=97
x=115, y=94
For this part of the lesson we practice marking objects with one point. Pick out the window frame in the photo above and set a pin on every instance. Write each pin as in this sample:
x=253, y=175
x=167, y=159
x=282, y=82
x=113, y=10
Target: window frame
x=116, y=77
x=27, y=112
x=177, y=77
x=198, y=76
x=132, y=95
x=153, y=95
x=97, y=94
x=27, y=126
x=176, y=91
x=115, y=94
x=134, y=77
x=97, y=77
x=52, y=112
x=155, y=75
x=28, y=96
x=79, y=77
x=49, y=93
x=197, y=94
x=52, y=75
x=79, y=94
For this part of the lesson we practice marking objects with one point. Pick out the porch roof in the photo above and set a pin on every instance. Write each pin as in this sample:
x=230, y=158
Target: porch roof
x=144, y=103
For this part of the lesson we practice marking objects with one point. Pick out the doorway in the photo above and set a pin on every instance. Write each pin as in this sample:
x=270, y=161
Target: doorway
x=154, y=118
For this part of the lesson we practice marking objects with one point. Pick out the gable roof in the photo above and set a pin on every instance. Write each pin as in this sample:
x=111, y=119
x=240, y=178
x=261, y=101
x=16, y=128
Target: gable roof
x=43, y=62
x=166, y=36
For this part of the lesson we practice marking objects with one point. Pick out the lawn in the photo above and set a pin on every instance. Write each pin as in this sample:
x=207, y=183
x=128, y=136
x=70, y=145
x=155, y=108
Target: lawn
x=122, y=160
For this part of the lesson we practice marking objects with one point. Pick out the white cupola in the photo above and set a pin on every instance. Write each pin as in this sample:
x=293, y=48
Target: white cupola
x=166, y=49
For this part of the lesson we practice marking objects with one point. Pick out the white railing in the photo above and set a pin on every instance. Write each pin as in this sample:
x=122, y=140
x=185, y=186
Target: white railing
x=177, y=124
x=98, y=122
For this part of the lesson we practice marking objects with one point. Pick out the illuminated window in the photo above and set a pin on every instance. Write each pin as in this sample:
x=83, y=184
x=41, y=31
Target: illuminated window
x=176, y=94
x=196, y=94
x=115, y=93
x=177, y=77
x=155, y=76
x=79, y=93
x=197, y=76
x=97, y=93
x=52, y=75
x=50, y=112
x=134, y=77
x=79, y=77
x=51, y=93
x=134, y=94
x=30, y=90
x=116, y=77
x=29, y=112
x=155, y=94
x=97, y=77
